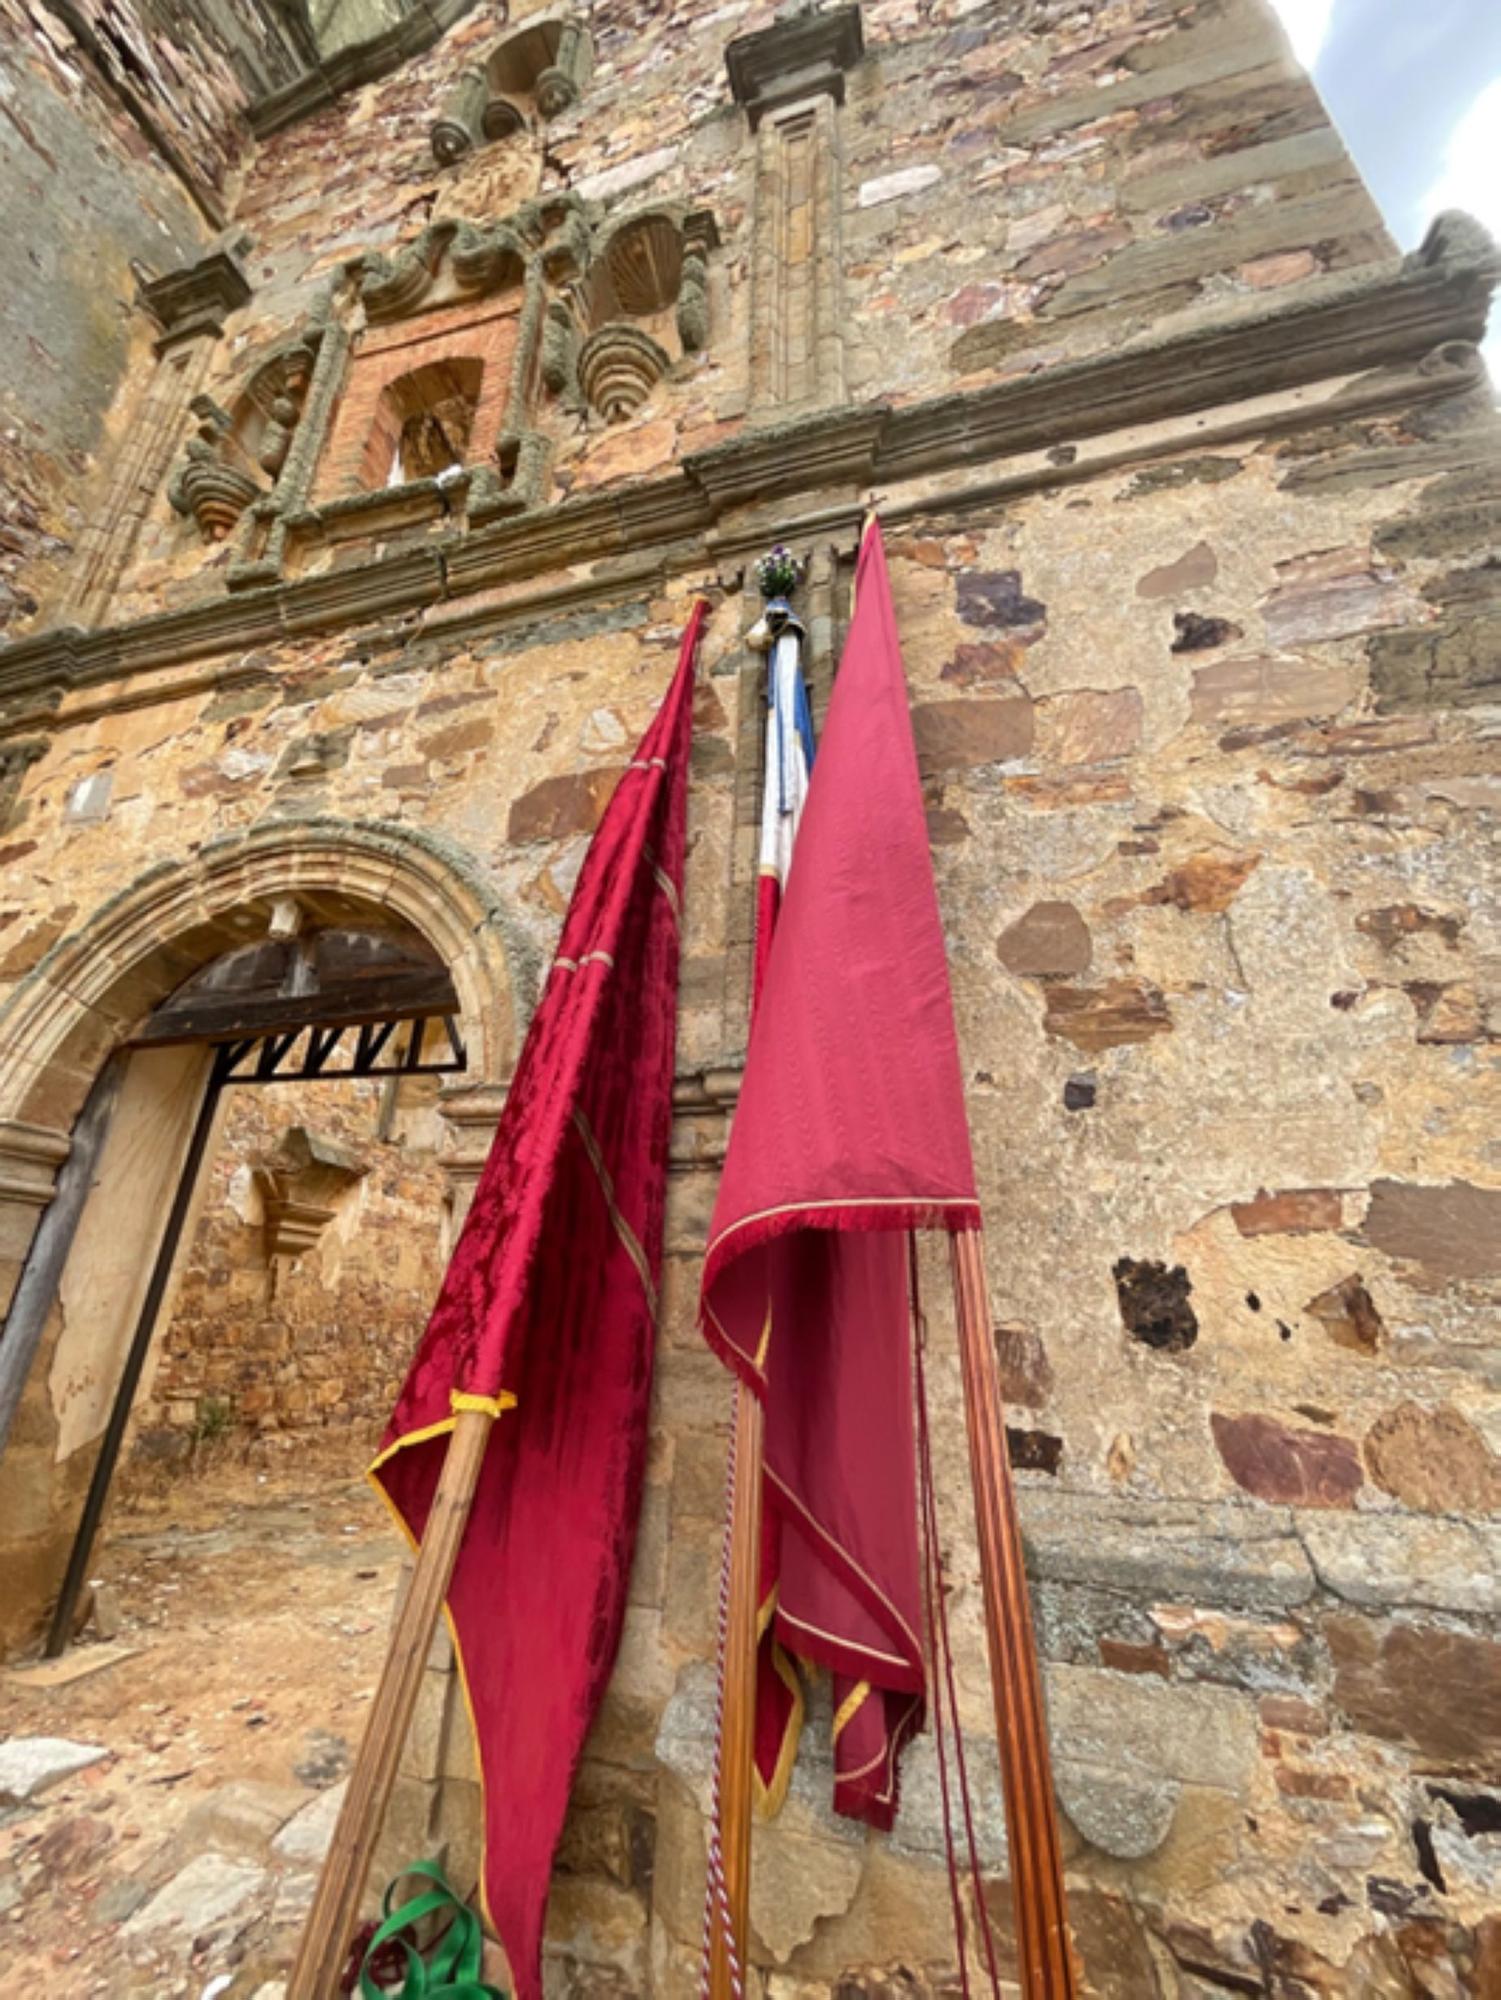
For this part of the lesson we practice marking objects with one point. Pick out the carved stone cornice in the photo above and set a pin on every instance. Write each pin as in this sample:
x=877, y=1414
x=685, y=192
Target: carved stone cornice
x=803, y=56
x=361, y=62
x=1403, y=331
x=196, y=300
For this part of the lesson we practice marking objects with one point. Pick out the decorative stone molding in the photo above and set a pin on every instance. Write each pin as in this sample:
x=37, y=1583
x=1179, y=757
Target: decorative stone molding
x=16, y=759
x=195, y=301
x=618, y=367
x=1356, y=343
x=790, y=78
x=301, y=1185
x=190, y=306
x=30, y=1156
x=215, y=483
x=637, y=302
x=355, y=64
x=462, y=122
x=542, y=67
x=805, y=55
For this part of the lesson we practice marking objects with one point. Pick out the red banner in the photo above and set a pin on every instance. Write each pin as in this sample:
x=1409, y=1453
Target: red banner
x=850, y=1131
x=548, y=1313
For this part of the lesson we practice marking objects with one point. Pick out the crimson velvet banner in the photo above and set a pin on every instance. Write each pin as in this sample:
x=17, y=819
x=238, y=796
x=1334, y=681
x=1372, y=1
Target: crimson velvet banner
x=850, y=1131
x=548, y=1315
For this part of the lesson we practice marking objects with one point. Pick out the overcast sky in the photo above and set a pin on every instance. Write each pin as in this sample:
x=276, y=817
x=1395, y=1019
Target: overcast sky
x=1415, y=87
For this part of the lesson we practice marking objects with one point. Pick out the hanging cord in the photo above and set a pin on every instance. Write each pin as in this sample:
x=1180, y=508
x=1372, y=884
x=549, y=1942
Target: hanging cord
x=716, y=1890
x=940, y=1648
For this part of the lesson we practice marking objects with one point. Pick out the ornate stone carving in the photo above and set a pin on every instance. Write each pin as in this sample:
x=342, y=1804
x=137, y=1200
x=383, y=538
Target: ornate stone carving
x=559, y=339
x=463, y=121
x=215, y=483
x=300, y=1186
x=643, y=301
x=618, y=367
x=540, y=68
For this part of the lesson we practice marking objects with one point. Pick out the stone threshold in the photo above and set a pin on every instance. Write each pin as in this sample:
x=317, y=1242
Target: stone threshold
x=1386, y=338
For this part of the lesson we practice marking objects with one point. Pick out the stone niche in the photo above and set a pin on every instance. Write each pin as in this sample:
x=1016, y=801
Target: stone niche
x=533, y=75
x=234, y=456
x=641, y=306
x=414, y=397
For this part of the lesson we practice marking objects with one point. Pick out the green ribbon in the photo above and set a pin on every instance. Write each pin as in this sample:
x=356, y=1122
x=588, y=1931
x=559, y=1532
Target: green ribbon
x=453, y=1972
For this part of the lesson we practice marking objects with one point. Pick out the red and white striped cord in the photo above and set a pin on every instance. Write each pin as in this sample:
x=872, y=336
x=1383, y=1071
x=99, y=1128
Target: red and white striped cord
x=716, y=1889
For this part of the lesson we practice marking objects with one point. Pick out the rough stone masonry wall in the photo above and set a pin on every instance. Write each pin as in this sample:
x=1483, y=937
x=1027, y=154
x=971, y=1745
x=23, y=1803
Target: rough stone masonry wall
x=121, y=135
x=1206, y=711
x=268, y=1339
x=1016, y=183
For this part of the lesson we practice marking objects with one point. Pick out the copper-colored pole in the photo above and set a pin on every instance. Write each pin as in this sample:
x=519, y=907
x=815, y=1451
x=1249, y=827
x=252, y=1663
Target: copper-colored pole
x=324, y=1949
x=737, y=1736
x=1043, y=1948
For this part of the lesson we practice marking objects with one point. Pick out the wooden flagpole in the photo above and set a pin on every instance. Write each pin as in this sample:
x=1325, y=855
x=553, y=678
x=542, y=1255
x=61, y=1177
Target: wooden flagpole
x=737, y=1736
x=1043, y=1947
x=324, y=1949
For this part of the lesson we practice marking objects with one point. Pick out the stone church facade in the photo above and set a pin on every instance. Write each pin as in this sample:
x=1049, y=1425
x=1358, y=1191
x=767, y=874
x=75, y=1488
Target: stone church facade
x=375, y=405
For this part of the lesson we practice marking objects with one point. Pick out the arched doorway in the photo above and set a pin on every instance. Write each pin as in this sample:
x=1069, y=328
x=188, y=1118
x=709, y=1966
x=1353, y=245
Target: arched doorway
x=253, y=956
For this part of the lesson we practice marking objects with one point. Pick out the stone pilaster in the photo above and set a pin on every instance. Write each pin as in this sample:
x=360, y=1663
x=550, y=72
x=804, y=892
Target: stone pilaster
x=790, y=79
x=190, y=306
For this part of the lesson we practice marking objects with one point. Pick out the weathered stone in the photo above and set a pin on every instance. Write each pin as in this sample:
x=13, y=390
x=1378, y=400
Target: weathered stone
x=1122, y=1816
x=563, y=805
x=1395, y=923
x=1289, y=1212
x=1195, y=569
x=1154, y=1304
x=1348, y=1313
x=1436, y=1690
x=1114, y=1015
x=956, y=735
x=31, y=1765
x=1089, y=726
x=1451, y=1230
x=1269, y=691
x=1331, y=595
x=209, y=1895
x=1141, y=1727
x=984, y=660
x=305, y=1837
x=1218, y=1552
x=1025, y=1371
x=1434, y=1460
x=1292, y=1467
x=995, y=599
x=1388, y=1560
x=1205, y=884
x=1050, y=940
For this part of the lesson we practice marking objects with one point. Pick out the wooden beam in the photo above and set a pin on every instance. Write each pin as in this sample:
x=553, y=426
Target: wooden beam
x=1042, y=1938
x=324, y=1948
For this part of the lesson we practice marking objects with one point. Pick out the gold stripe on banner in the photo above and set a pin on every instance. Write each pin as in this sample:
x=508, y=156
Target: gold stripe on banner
x=623, y=1229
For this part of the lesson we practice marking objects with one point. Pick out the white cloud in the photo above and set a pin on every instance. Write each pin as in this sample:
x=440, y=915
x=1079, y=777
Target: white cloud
x=1471, y=176
x=1306, y=23
x=1471, y=180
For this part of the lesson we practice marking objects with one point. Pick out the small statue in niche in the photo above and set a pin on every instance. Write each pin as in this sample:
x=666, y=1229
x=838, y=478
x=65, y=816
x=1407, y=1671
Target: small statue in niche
x=432, y=441
x=216, y=482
